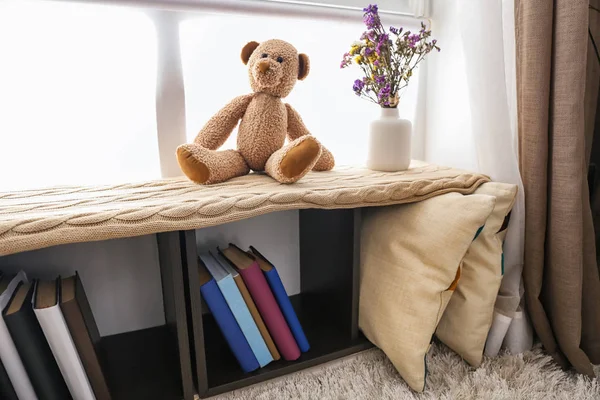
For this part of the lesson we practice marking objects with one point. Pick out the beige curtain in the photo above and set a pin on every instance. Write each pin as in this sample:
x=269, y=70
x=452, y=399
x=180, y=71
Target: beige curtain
x=562, y=286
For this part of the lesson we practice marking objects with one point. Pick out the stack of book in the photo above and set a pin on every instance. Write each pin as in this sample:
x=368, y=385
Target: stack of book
x=251, y=307
x=48, y=341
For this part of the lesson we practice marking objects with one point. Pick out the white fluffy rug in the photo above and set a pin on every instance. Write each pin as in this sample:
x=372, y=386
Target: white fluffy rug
x=369, y=375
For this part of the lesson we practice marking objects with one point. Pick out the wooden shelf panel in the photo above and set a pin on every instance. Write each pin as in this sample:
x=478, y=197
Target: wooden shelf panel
x=328, y=336
x=142, y=365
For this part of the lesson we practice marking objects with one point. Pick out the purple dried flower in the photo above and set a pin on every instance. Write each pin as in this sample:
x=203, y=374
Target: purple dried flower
x=392, y=66
x=384, y=93
x=371, y=9
x=358, y=86
x=345, y=60
x=412, y=40
x=371, y=20
x=383, y=40
x=371, y=16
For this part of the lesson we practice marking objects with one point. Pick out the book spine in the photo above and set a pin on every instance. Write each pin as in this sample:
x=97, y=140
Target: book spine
x=8, y=351
x=82, y=330
x=59, y=339
x=287, y=309
x=267, y=305
x=229, y=327
x=239, y=281
x=244, y=319
x=37, y=357
x=7, y=392
x=14, y=365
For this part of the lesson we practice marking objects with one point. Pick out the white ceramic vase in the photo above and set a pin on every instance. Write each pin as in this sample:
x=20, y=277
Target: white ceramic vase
x=389, y=142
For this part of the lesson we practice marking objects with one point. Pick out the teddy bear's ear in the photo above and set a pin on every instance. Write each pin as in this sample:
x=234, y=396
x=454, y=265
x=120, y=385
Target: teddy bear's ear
x=303, y=66
x=248, y=50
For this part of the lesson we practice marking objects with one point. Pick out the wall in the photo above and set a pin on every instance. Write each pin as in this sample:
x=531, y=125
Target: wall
x=122, y=276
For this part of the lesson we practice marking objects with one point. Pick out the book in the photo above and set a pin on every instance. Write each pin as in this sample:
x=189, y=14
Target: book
x=238, y=307
x=84, y=331
x=46, y=306
x=7, y=392
x=251, y=306
x=225, y=320
x=33, y=347
x=247, y=266
x=8, y=351
x=282, y=298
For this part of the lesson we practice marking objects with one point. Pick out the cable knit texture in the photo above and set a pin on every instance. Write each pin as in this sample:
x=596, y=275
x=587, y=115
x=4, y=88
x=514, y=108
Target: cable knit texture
x=32, y=219
x=264, y=121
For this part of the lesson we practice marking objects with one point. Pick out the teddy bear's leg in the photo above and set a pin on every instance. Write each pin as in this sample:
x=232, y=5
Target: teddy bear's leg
x=294, y=160
x=205, y=166
x=326, y=162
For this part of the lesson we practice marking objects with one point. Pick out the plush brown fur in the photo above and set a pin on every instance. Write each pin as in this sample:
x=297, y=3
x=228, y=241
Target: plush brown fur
x=274, y=67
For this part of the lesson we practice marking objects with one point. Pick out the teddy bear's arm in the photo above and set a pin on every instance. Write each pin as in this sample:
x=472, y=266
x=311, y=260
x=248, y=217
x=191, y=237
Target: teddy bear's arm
x=216, y=131
x=296, y=129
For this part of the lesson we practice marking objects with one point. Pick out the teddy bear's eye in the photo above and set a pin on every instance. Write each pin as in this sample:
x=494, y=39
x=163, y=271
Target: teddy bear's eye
x=279, y=59
x=264, y=55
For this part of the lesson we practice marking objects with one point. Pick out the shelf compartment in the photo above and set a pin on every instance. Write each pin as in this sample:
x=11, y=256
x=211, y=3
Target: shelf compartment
x=142, y=364
x=327, y=305
x=328, y=340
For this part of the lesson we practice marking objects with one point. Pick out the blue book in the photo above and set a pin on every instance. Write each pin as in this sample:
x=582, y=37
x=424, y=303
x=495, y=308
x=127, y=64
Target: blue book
x=226, y=321
x=220, y=273
x=283, y=300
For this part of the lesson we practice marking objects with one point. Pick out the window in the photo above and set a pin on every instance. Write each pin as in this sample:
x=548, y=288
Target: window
x=78, y=95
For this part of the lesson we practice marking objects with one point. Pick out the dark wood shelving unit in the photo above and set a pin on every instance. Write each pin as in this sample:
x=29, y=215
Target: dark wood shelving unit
x=327, y=305
x=188, y=355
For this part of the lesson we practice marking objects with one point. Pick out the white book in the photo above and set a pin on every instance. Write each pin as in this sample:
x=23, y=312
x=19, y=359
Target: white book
x=8, y=352
x=49, y=315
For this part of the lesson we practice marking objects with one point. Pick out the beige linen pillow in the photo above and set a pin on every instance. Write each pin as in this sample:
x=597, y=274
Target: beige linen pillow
x=410, y=258
x=466, y=322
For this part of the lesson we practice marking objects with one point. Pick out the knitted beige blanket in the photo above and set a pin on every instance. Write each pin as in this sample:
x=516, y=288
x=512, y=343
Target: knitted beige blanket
x=40, y=218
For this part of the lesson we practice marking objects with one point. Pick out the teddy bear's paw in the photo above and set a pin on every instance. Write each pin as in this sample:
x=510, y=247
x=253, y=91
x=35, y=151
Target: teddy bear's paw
x=293, y=161
x=191, y=161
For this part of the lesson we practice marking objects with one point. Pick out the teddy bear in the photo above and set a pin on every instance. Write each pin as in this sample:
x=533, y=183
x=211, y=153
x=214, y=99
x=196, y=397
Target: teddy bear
x=264, y=120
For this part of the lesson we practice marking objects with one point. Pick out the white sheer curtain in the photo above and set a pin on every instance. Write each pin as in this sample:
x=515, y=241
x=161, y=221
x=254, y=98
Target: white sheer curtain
x=467, y=119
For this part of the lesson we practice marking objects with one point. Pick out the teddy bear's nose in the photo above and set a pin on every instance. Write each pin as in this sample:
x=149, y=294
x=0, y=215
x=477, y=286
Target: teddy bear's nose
x=264, y=66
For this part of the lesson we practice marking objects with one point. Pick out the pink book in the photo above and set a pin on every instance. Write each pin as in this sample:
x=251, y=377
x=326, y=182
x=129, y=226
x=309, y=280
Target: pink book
x=261, y=293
